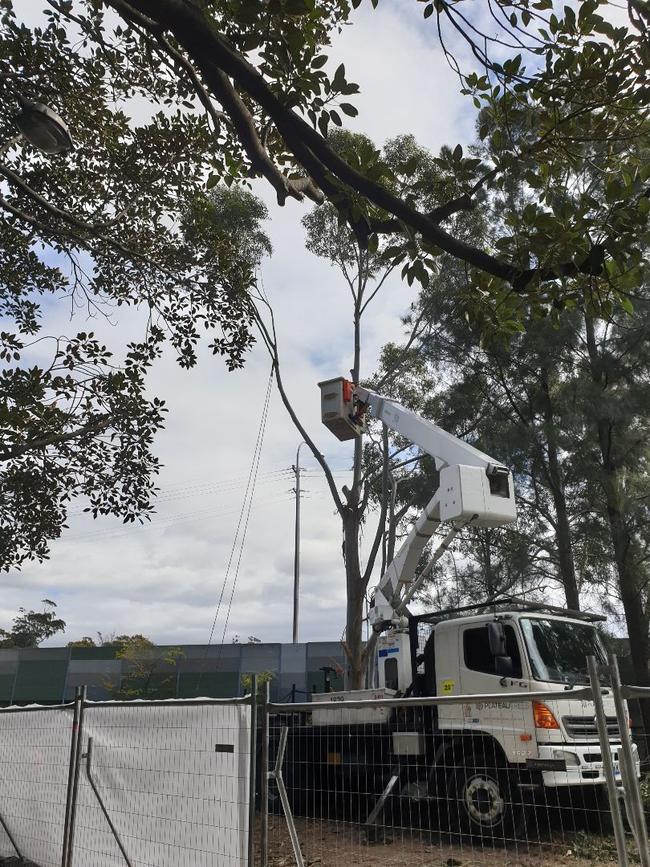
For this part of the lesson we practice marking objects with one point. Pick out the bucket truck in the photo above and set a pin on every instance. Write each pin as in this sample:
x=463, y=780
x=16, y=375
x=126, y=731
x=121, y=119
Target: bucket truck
x=487, y=755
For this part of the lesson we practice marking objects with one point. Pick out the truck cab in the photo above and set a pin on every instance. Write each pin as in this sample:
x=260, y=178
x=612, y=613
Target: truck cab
x=451, y=653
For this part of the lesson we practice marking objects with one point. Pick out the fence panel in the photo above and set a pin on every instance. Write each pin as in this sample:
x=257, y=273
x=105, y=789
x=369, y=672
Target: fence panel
x=34, y=760
x=444, y=780
x=171, y=778
x=174, y=782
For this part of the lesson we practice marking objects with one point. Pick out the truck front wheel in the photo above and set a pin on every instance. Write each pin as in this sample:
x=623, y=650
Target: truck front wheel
x=485, y=802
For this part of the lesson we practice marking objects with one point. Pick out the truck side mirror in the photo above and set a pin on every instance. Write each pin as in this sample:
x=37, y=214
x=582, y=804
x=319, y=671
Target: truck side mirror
x=503, y=666
x=497, y=638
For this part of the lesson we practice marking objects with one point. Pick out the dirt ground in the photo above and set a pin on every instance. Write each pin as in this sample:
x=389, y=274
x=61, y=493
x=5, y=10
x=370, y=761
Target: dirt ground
x=337, y=844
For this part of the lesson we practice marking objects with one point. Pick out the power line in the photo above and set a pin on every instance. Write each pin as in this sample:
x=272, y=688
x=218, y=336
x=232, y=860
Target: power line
x=265, y=415
x=164, y=522
x=220, y=486
x=252, y=469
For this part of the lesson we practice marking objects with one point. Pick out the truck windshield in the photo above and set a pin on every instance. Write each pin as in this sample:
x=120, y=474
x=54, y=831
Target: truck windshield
x=558, y=650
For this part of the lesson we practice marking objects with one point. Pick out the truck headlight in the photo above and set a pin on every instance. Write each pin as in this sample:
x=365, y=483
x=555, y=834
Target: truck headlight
x=571, y=759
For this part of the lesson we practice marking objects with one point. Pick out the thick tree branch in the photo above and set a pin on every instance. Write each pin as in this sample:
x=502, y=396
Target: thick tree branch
x=437, y=215
x=94, y=426
x=215, y=57
x=244, y=123
x=237, y=112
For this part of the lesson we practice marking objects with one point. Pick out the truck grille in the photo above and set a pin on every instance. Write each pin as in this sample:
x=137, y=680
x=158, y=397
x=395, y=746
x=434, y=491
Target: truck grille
x=584, y=727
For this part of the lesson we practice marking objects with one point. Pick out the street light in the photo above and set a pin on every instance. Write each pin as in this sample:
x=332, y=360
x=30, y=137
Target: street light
x=42, y=127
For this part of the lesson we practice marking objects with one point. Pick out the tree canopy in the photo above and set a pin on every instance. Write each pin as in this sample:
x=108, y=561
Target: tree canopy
x=565, y=404
x=31, y=628
x=172, y=102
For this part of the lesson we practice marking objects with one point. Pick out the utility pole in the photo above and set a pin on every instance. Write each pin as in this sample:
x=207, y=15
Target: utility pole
x=296, y=548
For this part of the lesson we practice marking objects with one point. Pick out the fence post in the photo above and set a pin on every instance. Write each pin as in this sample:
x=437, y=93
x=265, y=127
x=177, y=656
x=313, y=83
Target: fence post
x=253, y=773
x=264, y=778
x=608, y=764
x=71, y=766
x=75, y=780
x=630, y=782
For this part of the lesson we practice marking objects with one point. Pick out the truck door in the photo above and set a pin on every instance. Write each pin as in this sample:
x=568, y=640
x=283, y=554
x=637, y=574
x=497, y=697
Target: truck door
x=511, y=724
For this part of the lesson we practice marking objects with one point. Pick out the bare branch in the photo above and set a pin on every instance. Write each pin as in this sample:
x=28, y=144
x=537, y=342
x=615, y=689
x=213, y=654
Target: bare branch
x=272, y=347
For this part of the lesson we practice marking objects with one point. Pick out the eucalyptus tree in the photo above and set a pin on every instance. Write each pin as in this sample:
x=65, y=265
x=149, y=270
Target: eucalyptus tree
x=363, y=273
x=565, y=403
x=613, y=393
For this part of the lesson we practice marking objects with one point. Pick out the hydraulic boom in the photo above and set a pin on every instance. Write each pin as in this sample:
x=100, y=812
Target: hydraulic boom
x=474, y=488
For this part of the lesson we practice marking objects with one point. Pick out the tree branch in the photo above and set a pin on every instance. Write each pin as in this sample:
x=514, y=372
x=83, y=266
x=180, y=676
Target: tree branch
x=238, y=114
x=95, y=425
x=272, y=347
x=215, y=57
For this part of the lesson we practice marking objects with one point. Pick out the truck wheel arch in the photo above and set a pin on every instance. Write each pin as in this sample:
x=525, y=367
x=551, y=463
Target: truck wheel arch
x=450, y=751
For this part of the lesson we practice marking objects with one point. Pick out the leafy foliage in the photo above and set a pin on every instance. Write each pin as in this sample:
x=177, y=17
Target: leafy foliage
x=150, y=670
x=79, y=427
x=172, y=103
x=563, y=83
x=31, y=628
x=564, y=402
x=123, y=220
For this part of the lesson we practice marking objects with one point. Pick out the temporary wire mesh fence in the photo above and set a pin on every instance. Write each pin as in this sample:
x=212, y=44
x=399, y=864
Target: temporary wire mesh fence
x=451, y=779
x=34, y=762
x=156, y=783
x=549, y=777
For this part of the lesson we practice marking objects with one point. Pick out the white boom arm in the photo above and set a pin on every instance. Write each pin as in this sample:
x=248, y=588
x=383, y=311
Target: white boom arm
x=474, y=488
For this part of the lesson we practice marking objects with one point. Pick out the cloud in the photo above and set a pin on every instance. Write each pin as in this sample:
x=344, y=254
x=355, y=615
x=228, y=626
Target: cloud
x=164, y=580
x=407, y=86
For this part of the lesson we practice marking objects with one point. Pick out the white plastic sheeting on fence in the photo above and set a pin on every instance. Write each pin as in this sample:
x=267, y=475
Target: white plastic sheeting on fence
x=174, y=778
x=34, y=757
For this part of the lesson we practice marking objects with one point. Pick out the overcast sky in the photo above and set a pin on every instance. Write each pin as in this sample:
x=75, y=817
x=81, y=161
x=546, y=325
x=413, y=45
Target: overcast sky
x=164, y=580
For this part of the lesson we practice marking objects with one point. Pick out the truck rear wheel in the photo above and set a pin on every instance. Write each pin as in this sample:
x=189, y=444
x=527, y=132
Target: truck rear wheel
x=485, y=802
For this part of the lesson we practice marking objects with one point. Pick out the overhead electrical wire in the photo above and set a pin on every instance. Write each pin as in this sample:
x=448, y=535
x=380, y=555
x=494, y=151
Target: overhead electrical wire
x=182, y=491
x=245, y=510
x=248, y=512
x=224, y=486
x=166, y=521
x=160, y=520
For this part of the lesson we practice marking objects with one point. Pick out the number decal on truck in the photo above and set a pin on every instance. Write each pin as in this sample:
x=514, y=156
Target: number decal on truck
x=448, y=686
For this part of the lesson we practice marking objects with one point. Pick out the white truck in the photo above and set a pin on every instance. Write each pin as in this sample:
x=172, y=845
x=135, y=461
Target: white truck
x=488, y=756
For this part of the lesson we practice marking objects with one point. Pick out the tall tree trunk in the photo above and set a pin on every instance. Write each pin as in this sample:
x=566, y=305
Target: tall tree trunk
x=355, y=674
x=631, y=578
x=355, y=585
x=556, y=484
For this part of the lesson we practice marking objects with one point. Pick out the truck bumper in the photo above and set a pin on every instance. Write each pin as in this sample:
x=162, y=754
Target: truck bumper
x=584, y=765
